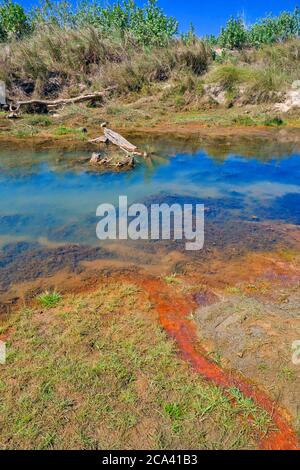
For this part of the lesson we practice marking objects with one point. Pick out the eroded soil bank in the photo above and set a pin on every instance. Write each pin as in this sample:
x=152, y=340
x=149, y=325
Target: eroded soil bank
x=210, y=136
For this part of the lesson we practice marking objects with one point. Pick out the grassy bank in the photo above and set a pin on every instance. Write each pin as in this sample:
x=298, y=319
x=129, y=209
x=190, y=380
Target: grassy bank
x=158, y=75
x=57, y=63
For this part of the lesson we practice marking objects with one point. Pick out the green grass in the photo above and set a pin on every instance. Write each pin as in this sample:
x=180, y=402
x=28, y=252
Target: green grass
x=287, y=373
x=274, y=122
x=173, y=410
x=49, y=299
x=39, y=120
x=100, y=373
x=21, y=130
x=229, y=76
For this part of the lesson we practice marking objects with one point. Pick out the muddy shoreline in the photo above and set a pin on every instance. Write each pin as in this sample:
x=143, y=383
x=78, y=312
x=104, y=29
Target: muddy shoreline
x=192, y=131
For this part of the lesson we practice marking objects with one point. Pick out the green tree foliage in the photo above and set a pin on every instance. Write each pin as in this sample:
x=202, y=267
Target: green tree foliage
x=275, y=29
x=189, y=37
x=148, y=25
x=13, y=20
x=269, y=30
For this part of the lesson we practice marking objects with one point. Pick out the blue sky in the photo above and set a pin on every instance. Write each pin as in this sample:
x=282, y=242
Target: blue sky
x=209, y=16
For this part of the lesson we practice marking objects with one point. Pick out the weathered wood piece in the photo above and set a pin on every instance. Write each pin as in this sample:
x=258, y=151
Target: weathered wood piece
x=118, y=140
x=62, y=101
x=96, y=158
x=102, y=139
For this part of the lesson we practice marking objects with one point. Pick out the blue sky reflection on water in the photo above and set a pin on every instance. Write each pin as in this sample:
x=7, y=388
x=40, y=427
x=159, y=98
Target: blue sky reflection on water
x=40, y=193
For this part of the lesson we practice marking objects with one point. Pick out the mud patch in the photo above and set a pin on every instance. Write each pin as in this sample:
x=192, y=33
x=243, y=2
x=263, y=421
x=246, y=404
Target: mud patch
x=25, y=262
x=255, y=335
x=205, y=298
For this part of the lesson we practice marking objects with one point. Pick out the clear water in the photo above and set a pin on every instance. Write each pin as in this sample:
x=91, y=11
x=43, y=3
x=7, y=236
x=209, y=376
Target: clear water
x=51, y=196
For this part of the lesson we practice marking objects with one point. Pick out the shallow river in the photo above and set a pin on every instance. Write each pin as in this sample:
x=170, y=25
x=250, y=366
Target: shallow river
x=48, y=200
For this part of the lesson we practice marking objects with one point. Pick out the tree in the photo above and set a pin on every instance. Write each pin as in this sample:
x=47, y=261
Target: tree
x=275, y=29
x=148, y=24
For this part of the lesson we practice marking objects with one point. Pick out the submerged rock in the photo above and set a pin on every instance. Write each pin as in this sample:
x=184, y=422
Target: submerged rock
x=114, y=161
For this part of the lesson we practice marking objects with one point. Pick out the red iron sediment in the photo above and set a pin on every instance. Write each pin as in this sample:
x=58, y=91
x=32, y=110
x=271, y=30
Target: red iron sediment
x=173, y=311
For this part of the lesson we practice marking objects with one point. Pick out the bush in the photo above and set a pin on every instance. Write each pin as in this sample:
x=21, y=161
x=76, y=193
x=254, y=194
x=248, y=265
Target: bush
x=234, y=35
x=268, y=30
x=13, y=21
x=273, y=122
x=228, y=76
x=148, y=25
x=275, y=29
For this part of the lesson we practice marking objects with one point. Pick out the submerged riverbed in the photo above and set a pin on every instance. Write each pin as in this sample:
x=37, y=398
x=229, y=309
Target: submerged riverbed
x=50, y=197
x=48, y=201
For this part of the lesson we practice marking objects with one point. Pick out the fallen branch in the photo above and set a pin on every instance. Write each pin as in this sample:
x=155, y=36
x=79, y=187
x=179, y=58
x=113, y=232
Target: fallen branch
x=102, y=139
x=118, y=140
x=62, y=101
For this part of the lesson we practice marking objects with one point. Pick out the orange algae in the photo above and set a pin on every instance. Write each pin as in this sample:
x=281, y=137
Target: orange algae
x=173, y=312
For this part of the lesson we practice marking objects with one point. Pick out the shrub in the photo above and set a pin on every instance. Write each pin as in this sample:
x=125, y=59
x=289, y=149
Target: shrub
x=234, y=35
x=275, y=29
x=13, y=21
x=275, y=121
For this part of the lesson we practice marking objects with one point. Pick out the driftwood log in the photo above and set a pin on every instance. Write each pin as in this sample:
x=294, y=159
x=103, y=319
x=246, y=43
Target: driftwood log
x=15, y=106
x=118, y=140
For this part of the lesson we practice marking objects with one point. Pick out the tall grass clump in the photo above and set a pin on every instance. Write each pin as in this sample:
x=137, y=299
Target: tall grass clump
x=229, y=76
x=275, y=67
x=53, y=58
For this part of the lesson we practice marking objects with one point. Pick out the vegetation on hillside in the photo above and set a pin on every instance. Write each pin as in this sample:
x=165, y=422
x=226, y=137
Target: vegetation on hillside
x=148, y=25
x=58, y=50
x=267, y=30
